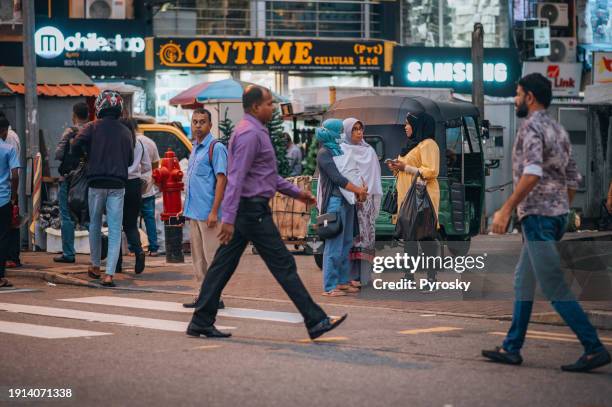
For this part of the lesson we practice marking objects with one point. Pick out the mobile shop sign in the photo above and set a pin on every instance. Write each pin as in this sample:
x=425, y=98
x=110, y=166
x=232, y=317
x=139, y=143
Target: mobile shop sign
x=301, y=55
x=107, y=50
x=565, y=78
x=602, y=67
x=452, y=68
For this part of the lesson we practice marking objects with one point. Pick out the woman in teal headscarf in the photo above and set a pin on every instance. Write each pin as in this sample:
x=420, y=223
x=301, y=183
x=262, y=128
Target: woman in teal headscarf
x=336, y=263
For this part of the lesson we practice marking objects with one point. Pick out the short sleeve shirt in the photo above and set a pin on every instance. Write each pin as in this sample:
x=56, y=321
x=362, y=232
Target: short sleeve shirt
x=151, y=149
x=8, y=162
x=542, y=148
x=202, y=178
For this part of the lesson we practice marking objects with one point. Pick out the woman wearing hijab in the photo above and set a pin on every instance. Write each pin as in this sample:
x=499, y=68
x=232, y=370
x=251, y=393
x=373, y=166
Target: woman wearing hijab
x=420, y=157
x=362, y=252
x=331, y=199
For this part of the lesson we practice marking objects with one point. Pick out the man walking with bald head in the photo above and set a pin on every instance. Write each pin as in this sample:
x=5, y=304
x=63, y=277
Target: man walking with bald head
x=252, y=180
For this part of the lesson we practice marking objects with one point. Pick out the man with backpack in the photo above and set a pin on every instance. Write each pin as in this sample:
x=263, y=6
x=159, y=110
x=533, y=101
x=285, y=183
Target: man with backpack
x=110, y=151
x=206, y=180
x=68, y=162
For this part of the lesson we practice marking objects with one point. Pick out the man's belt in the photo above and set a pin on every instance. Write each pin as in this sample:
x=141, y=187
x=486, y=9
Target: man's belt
x=255, y=199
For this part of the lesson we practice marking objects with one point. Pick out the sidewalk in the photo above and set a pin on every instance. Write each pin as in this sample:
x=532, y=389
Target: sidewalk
x=252, y=280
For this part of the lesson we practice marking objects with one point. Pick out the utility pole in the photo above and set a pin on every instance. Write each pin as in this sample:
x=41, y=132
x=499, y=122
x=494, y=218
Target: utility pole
x=30, y=96
x=478, y=91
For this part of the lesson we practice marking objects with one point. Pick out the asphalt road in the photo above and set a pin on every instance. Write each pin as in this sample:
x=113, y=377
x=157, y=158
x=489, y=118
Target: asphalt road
x=379, y=357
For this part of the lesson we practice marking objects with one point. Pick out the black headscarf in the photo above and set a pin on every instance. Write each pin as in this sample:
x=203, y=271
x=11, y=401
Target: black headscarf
x=423, y=127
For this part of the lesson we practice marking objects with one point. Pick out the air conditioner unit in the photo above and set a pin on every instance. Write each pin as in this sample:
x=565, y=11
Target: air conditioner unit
x=562, y=50
x=104, y=9
x=556, y=13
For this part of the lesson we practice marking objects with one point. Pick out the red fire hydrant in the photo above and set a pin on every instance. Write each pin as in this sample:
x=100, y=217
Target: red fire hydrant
x=169, y=178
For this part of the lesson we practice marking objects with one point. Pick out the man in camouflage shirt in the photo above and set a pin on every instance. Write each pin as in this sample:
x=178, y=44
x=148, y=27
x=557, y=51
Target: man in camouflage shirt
x=545, y=181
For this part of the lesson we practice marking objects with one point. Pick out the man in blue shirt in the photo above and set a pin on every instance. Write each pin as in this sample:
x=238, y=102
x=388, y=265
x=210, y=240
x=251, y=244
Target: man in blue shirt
x=206, y=180
x=9, y=180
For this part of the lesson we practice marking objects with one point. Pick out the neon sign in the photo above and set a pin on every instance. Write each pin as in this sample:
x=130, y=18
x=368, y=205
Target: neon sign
x=50, y=42
x=458, y=72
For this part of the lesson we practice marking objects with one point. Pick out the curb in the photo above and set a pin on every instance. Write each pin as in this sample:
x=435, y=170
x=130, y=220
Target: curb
x=49, y=276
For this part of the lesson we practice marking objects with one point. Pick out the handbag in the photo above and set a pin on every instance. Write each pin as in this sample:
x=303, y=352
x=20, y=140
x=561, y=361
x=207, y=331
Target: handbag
x=328, y=225
x=417, y=218
x=389, y=203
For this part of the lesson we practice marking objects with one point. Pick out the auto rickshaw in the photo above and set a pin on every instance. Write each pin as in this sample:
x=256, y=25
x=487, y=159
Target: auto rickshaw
x=462, y=163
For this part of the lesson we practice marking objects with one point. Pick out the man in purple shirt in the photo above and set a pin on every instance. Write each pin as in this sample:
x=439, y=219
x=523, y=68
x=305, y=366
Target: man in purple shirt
x=252, y=180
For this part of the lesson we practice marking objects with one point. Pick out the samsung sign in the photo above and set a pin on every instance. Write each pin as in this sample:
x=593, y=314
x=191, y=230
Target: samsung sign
x=451, y=68
x=49, y=42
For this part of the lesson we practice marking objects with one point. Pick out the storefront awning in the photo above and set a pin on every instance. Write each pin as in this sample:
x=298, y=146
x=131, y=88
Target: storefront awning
x=59, y=82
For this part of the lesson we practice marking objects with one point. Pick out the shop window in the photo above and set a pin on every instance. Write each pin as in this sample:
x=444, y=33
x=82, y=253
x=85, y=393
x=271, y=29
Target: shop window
x=334, y=19
x=165, y=140
x=10, y=11
x=102, y=9
x=449, y=23
x=594, y=21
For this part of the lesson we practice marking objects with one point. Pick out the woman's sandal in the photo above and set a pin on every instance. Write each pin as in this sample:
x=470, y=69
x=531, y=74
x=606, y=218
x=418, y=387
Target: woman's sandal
x=348, y=288
x=334, y=293
x=93, y=274
x=4, y=283
x=110, y=283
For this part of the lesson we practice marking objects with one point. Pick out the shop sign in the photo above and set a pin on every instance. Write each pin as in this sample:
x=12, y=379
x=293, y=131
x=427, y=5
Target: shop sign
x=565, y=78
x=98, y=47
x=302, y=55
x=602, y=67
x=452, y=68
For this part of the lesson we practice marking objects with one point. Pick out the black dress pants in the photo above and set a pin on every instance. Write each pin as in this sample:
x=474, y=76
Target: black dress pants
x=14, y=244
x=6, y=216
x=254, y=224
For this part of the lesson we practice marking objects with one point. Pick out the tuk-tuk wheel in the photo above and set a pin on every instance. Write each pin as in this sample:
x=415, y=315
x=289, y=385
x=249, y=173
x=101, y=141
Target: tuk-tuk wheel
x=458, y=247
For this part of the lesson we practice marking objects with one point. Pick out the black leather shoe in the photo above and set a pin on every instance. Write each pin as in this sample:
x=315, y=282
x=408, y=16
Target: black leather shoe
x=325, y=326
x=221, y=304
x=209, y=332
x=191, y=304
x=63, y=259
x=589, y=362
x=500, y=356
x=139, y=266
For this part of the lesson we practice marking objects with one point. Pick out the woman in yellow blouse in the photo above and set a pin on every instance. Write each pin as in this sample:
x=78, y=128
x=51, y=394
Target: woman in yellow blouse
x=421, y=155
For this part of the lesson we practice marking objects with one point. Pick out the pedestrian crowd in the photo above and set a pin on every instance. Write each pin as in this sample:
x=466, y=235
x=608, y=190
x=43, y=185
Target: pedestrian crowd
x=227, y=205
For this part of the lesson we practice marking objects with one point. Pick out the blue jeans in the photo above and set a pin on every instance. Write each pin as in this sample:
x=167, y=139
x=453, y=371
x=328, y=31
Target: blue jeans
x=147, y=209
x=539, y=261
x=112, y=201
x=67, y=223
x=336, y=263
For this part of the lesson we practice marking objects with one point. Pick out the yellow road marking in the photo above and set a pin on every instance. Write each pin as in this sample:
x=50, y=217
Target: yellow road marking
x=429, y=330
x=329, y=339
x=207, y=347
x=603, y=338
x=550, y=337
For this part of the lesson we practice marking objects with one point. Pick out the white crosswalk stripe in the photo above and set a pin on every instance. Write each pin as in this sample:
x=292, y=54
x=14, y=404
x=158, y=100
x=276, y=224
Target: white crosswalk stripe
x=125, y=320
x=247, y=313
x=44, y=331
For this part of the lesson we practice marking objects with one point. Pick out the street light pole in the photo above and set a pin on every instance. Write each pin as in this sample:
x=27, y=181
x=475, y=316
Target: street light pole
x=30, y=95
x=478, y=92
